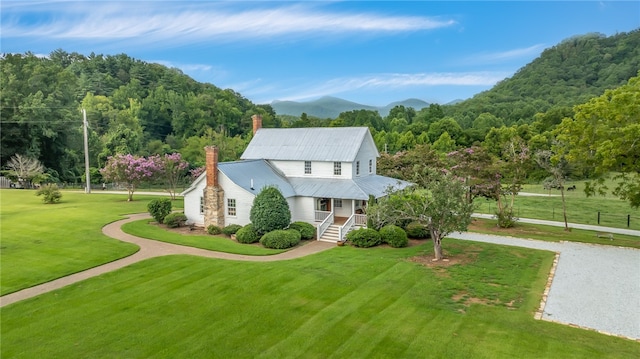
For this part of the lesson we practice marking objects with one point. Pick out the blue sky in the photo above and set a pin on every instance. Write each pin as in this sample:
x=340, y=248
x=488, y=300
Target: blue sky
x=371, y=52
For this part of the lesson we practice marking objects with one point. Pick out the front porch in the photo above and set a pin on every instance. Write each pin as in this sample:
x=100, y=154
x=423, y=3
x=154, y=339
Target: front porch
x=336, y=217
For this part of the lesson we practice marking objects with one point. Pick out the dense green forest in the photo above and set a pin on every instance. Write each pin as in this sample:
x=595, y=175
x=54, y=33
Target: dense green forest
x=146, y=108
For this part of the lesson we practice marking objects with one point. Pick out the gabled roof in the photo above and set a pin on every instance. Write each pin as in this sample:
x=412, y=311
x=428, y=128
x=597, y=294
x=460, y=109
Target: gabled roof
x=331, y=144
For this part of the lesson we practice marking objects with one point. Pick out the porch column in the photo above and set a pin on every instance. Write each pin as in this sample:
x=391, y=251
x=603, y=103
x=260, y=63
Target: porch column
x=353, y=207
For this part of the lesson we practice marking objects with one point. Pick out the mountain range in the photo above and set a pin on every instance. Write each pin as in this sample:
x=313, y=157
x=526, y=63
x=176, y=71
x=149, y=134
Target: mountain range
x=331, y=107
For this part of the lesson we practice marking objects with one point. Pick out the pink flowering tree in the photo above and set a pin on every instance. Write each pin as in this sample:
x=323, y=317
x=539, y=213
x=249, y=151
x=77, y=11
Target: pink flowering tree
x=171, y=170
x=129, y=170
x=196, y=172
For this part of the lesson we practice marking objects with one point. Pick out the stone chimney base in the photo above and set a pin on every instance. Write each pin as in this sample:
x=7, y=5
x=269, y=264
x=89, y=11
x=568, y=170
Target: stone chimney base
x=213, y=206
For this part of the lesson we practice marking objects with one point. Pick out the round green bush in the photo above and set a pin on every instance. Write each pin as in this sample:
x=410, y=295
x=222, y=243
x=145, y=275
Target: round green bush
x=231, y=229
x=247, y=234
x=417, y=230
x=270, y=211
x=213, y=229
x=307, y=230
x=364, y=237
x=175, y=219
x=394, y=236
x=280, y=239
x=159, y=208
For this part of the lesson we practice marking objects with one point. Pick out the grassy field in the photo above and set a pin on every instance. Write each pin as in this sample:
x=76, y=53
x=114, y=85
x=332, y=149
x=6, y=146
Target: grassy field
x=580, y=209
x=221, y=243
x=343, y=303
x=43, y=242
x=552, y=234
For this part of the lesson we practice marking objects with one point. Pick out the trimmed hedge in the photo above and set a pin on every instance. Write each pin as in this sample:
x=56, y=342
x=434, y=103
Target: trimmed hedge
x=394, y=236
x=231, y=229
x=364, y=237
x=281, y=239
x=213, y=229
x=175, y=219
x=307, y=230
x=417, y=230
x=159, y=208
x=247, y=234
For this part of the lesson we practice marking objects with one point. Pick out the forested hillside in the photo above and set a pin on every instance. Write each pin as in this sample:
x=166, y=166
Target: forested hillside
x=144, y=108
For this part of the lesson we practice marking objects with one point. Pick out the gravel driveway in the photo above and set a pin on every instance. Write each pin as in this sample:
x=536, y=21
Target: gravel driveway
x=595, y=287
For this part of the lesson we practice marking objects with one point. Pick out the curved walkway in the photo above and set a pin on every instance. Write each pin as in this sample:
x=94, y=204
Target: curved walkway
x=149, y=249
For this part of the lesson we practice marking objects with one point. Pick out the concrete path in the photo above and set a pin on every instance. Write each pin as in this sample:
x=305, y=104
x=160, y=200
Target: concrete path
x=149, y=249
x=595, y=287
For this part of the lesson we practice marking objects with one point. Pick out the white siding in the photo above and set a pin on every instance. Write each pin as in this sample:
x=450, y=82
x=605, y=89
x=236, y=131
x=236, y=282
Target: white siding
x=192, y=204
x=367, y=152
x=318, y=169
x=244, y=201
x=304, y=210
x=345, y=210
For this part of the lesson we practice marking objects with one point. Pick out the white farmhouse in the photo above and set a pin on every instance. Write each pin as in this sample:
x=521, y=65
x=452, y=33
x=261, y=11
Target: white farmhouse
x=326, y=175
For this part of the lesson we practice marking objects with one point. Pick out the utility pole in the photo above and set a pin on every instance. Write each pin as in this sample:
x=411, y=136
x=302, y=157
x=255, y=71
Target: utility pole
x=87, y=188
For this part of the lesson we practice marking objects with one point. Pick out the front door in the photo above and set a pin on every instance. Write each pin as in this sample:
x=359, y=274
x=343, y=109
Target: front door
x=324, y=204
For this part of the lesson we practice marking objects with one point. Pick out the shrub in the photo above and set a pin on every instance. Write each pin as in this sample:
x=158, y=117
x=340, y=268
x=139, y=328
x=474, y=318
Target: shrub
x=51, y=193
x=307, y=230
x=395, y=236
x=159, y=208
x=175, y=219
x=213, y=229
x=281, y=239
x=231, y=229
x=247, y=234
x=417, y=230
x=364, y=237
x=270, y=211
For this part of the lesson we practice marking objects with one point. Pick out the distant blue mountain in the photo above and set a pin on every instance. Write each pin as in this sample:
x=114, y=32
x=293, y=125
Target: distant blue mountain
x=331, y=107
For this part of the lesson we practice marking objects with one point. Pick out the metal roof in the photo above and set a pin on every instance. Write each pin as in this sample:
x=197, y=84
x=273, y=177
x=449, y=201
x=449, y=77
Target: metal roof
x=360, y=188
x=254, y=175
x=339, y=144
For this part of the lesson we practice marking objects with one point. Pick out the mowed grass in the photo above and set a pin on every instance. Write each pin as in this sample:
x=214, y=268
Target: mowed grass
x=551, y=234
x=580, y=209
x=342, y=303
x=41, y=242
x=144, y=229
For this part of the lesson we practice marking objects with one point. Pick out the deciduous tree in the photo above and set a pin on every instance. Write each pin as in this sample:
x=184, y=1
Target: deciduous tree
x=129, y=170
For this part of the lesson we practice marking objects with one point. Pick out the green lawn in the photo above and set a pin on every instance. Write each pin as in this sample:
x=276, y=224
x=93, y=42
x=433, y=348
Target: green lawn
x=552, y=234
x=221, y=243
x=580, y=209
x=342, y=303
x=41, y=242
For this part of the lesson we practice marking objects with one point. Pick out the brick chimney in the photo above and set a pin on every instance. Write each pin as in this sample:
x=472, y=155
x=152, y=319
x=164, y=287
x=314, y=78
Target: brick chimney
x=211, y=161
x=213, y=194
x=257, y=123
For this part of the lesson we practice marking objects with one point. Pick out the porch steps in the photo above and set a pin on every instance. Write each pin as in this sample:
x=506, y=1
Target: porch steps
x=332, y=234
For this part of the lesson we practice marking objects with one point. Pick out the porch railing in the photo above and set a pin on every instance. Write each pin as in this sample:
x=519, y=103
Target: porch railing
x=360, y=220
x=322, y=227
x=344, y=229
x=322, y=215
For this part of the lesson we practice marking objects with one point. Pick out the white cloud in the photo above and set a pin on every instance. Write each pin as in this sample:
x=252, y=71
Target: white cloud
x=161, y=21
x=504, y=56
x=383, y=82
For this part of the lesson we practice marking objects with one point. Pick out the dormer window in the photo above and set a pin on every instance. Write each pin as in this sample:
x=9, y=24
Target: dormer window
x=307, y=167
x=337, y=168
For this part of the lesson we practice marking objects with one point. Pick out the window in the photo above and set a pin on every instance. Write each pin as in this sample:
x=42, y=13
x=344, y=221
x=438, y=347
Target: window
x=337, y=168
x=370, y=166
x=357, y=168
x=231, y=206
x=337, y=203
x=307, y=167
x=201, y=205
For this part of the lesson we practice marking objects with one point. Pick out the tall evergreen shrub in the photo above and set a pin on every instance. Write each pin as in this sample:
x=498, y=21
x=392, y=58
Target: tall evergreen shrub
x=270, y=211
